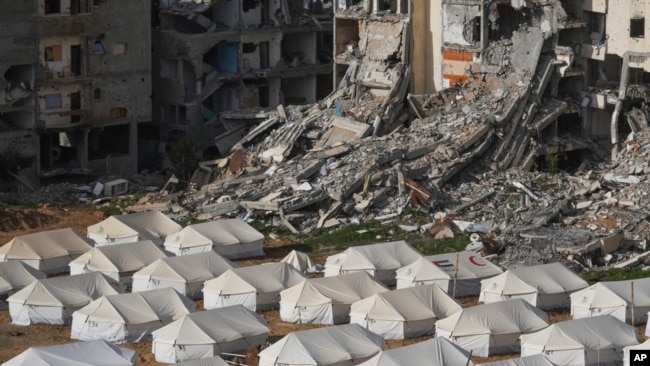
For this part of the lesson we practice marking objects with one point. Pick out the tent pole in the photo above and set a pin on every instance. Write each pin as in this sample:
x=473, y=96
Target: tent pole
x=469, y=358
x=632, y=308
x=456, y=274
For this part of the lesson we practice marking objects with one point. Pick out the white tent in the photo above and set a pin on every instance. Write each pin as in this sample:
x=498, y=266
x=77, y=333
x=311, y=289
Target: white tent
x=348, y=344
x=209, y=333
x=255, y=287
x=534, y=360
x=422, y=272
x=53, y=300
x=472, y=268
x=597, y=340
x=380, y=260
x=645, y=346
x=405, y=313
x=326, y=300
x=118, y=261
x=433, y=352
x=210, y=361
x=118, y=229
x=131, y=317
x=186, y=274
x=546, y=286
x=231, y=238
x=93, y=353
x=14, y=276
x=47, y=251
x=301, y=262
x=613, y=298
x=494, y=328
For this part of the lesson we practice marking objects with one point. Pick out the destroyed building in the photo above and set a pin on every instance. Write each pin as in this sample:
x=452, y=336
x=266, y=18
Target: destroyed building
x=75, y=83
x=213, y=58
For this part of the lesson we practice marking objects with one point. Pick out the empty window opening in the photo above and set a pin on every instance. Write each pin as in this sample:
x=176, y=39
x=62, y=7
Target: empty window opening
x=637, y=27
x=110, y=141
x=75, y=60
x=53, y=53
x=75, y=105
x=476, y=29
x=117, y=113
x=97, y=94
x=61, y=149
x=52, y=6
x=53, y=101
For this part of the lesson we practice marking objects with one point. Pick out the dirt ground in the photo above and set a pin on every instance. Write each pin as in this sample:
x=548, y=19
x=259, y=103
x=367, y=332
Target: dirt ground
x=16, y=339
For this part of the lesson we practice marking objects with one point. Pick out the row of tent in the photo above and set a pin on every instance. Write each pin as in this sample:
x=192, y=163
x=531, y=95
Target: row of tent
x=51, y=251
x=601, y=340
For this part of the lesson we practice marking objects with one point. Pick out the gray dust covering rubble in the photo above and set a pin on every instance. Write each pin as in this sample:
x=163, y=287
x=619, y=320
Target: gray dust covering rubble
x=468, y=157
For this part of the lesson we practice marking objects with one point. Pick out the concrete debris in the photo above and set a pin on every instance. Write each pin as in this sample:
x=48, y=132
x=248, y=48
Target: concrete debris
x=487, y=155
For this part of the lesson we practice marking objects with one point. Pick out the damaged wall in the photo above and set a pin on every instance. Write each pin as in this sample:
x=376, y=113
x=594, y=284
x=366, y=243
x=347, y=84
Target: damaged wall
x=427, y=46
x=628, y=28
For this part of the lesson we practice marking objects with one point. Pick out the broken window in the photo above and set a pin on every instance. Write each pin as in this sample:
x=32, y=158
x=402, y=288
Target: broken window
x=52, y=6
x=97, y=94
x=637, y=27
x=53, y=101
x=117, y=113
x=53, y=53
x=98, y=48
x=119, y=49
x=595, y=27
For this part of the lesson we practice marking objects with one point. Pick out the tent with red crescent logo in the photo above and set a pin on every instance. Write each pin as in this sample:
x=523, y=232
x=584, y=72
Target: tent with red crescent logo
x=472, y=268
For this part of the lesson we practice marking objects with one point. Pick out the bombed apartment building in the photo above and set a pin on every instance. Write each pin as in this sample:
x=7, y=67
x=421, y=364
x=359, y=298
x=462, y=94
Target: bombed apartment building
x=589, y=89
x=215, y=60
x=75, y=81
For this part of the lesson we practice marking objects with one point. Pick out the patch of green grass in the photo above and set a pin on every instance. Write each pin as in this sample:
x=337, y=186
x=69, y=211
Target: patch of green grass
x=350, y=235
x=430, y=246
x=614, y=274
x=13, y=207
x=189, y=220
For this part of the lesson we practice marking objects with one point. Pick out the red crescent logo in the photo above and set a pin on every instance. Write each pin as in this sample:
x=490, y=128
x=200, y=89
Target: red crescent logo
x=477, y=261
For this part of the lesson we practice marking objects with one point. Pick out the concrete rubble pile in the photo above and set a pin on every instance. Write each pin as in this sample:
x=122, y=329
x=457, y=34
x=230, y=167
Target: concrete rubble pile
x=464, y=157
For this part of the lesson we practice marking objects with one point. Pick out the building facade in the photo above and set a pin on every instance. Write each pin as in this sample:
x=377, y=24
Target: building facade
x=76, y=82
x=216, y=57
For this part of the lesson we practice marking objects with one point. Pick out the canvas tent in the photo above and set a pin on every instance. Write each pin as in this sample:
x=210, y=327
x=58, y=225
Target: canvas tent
x=546, y=286
x=210, y=361
x=93, y=353
x=597, y=340
x=130, y=317
x=380, y=260
x=326, y=300
x=613, y=298
x=404, y=313
x=118, y=229
x=255, y=287
x=47, y=251
x=494, y=328
x=231, y=238
x=14, y=276
x=53, y=300
x=533, y=360
x=645, y=346
x=472, y=268
x=422, y=272
x=301, y=262
x=209, y=333
x=118, y=261
x=186, y=274
x=348, y=344
x=433, y=352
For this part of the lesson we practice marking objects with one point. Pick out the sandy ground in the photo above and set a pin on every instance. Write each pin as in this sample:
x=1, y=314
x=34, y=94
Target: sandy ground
x=16, y=339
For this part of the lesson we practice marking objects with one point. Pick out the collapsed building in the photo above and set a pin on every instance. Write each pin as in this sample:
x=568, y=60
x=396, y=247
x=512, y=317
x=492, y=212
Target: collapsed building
x=213, y=58
x=75, y=83
x=515, y=90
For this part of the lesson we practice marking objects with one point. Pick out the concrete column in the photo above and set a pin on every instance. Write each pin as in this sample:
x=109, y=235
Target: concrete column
x=82, y=149
x=133, y=148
